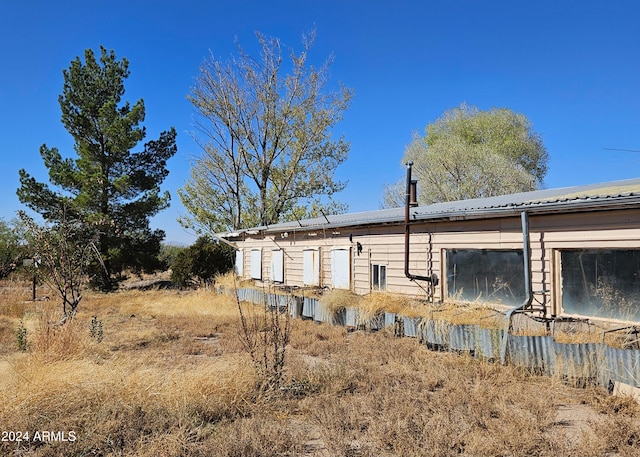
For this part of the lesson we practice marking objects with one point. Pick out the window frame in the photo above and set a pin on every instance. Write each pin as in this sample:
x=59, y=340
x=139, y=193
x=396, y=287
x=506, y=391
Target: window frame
x=456, y=293
x=582, y=310
x=376, y=284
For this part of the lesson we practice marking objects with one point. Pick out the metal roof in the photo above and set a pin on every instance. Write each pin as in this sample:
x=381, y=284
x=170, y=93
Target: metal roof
x=607, y=195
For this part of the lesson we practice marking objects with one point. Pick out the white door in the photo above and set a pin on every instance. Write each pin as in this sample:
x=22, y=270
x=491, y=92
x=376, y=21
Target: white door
x=277, y=265
x=340, y=268
x=256, y=264
x=240, y=262
x=311, y=267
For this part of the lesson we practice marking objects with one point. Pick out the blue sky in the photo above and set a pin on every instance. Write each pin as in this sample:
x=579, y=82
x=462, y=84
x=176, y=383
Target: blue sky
x=571, y=67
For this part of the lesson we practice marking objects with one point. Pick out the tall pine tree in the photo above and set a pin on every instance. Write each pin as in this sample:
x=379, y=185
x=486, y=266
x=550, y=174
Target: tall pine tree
x=107, y=187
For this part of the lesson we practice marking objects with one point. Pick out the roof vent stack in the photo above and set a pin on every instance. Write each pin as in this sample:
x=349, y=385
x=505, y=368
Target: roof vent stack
x=413, y=193
x=410, y=200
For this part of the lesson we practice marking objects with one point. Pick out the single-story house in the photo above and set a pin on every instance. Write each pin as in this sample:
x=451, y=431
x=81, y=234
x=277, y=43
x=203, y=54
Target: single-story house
x=579, y=247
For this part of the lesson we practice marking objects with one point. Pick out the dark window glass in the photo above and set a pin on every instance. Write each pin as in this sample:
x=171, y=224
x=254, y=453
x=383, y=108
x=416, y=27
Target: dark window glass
x=487, y=276
x=601, y=283
x=378, y=277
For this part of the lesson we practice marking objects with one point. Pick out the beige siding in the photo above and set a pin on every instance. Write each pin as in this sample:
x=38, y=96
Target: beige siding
x=384, y=245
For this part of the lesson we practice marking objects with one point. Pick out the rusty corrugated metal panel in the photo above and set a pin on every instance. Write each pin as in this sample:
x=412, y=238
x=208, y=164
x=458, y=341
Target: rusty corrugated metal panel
x=482, y=342
x=410, y=325
x=276, y=301
x=351, y=317
x=250, y=295
x=533, y=352
x=488, y=342
x=389, y=319
x=295, y=306
x=376, y=323
x=462, y=338
x=340, y=317
x=308, y=307
x=581, y=362
x=437, y=333
x=320, y=312
x=622, y=365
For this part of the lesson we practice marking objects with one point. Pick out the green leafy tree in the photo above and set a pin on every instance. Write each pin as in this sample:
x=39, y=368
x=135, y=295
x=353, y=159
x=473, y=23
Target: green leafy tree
x=203, y=260
x=469, y=153
x=169, y=253
x=268, y=151
x=108, y=186
x=11, y=250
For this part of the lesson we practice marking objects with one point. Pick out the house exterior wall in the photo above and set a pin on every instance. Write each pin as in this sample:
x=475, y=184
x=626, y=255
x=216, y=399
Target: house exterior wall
x=431, y=241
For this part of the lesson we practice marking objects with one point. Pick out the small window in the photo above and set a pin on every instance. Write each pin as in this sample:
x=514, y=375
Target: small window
x=487, y=276
x=256, y=264
x=378, y=277
x=601, y=283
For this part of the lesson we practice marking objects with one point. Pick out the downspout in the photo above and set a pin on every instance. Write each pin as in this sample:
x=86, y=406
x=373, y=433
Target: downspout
x=410, y=200
x=526, y=250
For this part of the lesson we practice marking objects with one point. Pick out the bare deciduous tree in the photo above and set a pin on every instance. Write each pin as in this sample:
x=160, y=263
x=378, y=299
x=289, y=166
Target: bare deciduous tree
x=265, y=330
x=268, y=150
x=62, y=253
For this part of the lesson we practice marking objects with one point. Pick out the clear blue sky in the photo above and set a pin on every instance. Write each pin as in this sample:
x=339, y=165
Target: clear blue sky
x=571, y=67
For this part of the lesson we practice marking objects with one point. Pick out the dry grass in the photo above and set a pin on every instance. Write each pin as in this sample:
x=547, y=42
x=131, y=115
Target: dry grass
x=170, y=379
x=231, y=280
x=377, y=303
x=338, y=299
x=466, y=314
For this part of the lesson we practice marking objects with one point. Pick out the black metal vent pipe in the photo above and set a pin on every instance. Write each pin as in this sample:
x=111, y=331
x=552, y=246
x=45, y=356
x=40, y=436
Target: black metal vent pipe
x=409, y=201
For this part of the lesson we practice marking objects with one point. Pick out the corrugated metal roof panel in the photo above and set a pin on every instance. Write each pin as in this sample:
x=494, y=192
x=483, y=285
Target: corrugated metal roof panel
x=546, y=199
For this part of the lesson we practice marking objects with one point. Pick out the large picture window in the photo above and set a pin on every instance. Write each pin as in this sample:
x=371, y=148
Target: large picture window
x=487, y=276
x=601, y=283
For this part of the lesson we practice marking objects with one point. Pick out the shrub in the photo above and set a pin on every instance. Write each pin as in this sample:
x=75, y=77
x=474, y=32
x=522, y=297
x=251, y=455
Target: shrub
x=203, y=261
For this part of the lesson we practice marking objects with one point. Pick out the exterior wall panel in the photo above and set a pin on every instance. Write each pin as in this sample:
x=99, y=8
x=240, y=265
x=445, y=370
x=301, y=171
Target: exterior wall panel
x=384, y=245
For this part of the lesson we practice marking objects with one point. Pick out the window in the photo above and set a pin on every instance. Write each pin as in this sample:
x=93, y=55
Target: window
x=489, y=276
x=311, y=267
x=277, y=265
x=340, y=268
x=239, y=262
x=378, y=277
x=601, y=283
x=256, y=264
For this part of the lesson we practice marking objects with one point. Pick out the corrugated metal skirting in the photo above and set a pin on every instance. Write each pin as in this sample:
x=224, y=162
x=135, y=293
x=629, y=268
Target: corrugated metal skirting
x=595, y=363
x=308, y=307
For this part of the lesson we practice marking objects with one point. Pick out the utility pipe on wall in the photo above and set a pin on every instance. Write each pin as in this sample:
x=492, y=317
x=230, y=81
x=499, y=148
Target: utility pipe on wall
x=410, y=198
x=526, y=251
